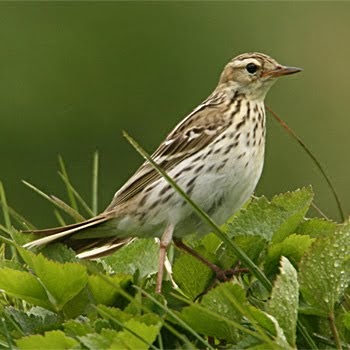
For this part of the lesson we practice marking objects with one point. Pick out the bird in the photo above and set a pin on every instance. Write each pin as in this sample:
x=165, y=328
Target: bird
x=215, y=154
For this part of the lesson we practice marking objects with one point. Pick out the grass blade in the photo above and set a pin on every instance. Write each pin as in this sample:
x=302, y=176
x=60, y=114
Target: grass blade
x=94, y=199
x=9, y=212
x=64, y=173
x=313, y=158
x=7, y=219
x=69, y=210
x=5, y=208
x=7, y=334
x=4, y=239
x=57, y=202
x=77, y=196
x=59, y=218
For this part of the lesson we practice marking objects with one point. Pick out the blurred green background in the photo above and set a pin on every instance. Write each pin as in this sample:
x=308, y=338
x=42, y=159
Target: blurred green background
x=73, y=75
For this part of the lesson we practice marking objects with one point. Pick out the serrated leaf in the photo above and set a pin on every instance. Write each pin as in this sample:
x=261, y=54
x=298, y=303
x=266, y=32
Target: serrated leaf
x=51, y=340
x=252, y=246
x=324, y=271
x=141, y=255
x=59, y=252
x=283, y=304
x=36, y=320
x=11, y=264
x=134, y=332
x=106, y=293
x=191, y=275
x=101, y=341
x=222, y=311
x=112, y=313
x=25, y=286
x=80, y=327
x=293, y=247
x=272, y=220
x=316, y=227
x=280, y=341
x=209, y=323
x=78, y=305
x=127, y=340
x=62, y=281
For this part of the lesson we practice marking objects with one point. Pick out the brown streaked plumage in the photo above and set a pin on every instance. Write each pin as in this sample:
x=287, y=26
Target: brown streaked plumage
x=215, y=154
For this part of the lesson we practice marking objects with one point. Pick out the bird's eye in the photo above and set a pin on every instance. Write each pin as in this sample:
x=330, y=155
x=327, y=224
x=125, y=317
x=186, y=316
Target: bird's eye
x=251, y=68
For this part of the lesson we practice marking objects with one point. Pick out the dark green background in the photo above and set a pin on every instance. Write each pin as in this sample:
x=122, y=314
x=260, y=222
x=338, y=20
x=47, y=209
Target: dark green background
x=74, y=75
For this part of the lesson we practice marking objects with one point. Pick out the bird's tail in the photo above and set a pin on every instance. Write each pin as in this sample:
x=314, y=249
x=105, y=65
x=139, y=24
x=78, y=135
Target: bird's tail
x=86, y=248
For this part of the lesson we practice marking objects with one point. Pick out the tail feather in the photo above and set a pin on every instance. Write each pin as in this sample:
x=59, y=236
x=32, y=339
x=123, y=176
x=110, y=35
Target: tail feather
x=53, y=230
x=85, y=247
x=62, y=233
x=106, y=249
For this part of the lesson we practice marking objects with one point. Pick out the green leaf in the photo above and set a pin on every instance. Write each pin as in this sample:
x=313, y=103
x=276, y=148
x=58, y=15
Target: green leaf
x=253, y=246
x=101, y=341
x=51, y=340
x=80, y=327
x=62, y=281
x=293, y=247
x=346, y=320
x=221, y=312
x=25, y=286
x=140, y=255
x=283, y=304
x=127, y=340
x=316, y=227
x=78, y=305
x=324, y=271
x=272, y=220
x=59, y=252
x=209, y=323
x=36, y=320
x=106, y=293
x=141, y=337
x=134, y=332
x=191, y=275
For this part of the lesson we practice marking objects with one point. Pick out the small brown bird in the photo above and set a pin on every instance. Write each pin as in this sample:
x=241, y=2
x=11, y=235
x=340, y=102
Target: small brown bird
x=215, y=154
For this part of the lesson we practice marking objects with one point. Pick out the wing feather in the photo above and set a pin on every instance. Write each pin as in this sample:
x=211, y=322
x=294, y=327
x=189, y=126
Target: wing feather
x=191, y=135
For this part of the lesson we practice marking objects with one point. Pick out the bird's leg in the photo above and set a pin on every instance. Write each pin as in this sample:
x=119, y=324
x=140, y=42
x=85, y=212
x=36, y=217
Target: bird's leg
x=221, y=274
x=163, y=246
x=181, y=245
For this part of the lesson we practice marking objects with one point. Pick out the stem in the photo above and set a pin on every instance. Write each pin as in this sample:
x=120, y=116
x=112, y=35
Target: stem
x=334, y=330
x=313, y=157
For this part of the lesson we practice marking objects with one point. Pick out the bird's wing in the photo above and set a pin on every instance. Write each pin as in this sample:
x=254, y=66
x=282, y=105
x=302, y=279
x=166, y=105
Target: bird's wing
x=191, y=135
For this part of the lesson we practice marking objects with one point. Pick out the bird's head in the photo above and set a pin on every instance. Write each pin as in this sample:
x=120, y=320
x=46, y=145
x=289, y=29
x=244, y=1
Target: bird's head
x=253, y=74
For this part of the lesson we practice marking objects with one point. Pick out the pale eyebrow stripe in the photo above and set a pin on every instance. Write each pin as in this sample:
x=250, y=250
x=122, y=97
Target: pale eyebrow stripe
x=245, y=61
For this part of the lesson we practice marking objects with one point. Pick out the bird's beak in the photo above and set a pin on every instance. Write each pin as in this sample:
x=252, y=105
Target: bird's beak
x=281, y=70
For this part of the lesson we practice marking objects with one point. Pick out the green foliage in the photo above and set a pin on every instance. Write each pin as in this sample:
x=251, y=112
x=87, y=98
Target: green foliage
x=283, y=304
x=51, y=300
x=50, y=340
x=325, y=271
